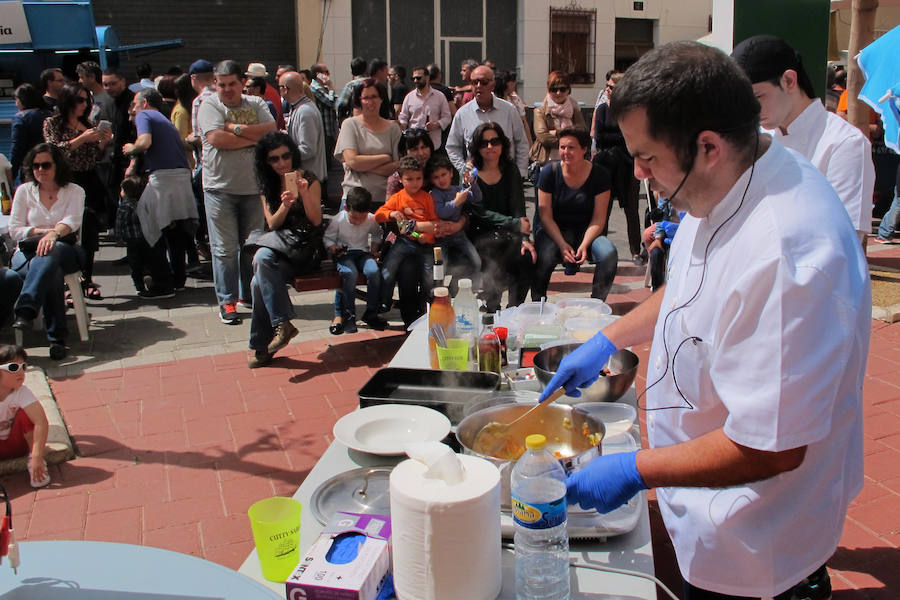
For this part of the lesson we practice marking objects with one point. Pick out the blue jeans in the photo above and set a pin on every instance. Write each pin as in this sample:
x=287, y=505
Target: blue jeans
x=602, y=253
x=271, y=302
x=231, y=218
x=348, y=267
x=400, y=251
x=10, y=286
x=889, y=221
x=44, y=287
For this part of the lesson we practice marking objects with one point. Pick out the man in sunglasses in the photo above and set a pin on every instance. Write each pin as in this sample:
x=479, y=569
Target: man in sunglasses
x=486, y=107
x=425, y=108
x=23, y=422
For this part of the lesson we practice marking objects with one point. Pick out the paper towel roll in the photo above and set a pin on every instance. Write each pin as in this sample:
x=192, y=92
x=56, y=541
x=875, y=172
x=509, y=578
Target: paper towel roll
x=446, y=537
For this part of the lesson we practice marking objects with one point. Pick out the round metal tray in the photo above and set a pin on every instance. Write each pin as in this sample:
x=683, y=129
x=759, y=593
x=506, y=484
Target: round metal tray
x=364, y=490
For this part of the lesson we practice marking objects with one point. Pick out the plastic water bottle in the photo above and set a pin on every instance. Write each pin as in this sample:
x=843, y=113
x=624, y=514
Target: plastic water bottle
x=465, y=306
x=538, y=485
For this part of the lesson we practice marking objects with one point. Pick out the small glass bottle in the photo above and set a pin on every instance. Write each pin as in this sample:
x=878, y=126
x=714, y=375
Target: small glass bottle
x=488, y=346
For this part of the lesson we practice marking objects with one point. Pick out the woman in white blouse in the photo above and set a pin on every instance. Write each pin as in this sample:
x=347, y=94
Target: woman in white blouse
x=46, y=211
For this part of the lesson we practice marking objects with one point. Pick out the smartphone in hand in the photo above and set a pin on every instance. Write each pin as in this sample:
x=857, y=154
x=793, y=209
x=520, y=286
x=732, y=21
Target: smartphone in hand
x=290, y=182
x=104, y=125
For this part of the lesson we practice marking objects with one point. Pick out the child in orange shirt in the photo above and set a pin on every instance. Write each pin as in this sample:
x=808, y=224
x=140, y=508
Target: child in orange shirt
x=410, y=203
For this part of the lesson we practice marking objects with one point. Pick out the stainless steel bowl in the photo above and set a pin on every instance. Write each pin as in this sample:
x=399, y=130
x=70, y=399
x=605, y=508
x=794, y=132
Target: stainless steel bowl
x=562, y=425
x=610, y=388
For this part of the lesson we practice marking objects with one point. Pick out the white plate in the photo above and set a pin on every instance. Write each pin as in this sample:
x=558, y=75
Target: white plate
x=384, y=429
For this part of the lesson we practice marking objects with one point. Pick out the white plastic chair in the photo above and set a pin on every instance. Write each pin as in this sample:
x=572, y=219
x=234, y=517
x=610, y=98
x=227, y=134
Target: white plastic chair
x=82, y=318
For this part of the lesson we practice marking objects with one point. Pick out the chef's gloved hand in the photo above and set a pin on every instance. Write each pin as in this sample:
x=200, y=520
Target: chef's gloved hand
x=605, y=483
x=582, y=367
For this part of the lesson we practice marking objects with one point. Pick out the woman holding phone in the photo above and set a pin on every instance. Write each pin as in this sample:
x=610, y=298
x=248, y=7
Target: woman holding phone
x=293, y=210
x=82, y=145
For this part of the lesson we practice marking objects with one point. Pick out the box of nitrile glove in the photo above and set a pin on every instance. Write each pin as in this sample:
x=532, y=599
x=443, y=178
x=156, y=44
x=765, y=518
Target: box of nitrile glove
x=349, y=561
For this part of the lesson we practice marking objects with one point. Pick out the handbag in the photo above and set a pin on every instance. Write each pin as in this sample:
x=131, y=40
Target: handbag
x=302, y=246
x=29, y=245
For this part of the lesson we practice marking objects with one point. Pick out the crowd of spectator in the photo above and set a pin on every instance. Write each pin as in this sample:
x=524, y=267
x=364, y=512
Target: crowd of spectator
x=225, y=164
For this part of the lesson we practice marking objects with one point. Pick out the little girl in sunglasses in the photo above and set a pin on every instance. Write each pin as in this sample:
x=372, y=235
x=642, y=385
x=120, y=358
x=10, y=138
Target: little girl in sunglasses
x=23, y=422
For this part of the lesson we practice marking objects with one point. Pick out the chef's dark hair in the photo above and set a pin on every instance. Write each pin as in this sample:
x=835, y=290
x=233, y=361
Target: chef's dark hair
x=686, y=88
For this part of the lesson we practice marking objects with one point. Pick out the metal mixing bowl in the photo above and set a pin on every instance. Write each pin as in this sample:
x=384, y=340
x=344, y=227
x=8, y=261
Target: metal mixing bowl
x=606, y=389
x=563, y=436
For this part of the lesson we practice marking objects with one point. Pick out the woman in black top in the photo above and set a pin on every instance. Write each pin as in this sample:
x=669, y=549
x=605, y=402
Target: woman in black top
x=571, y=218
x=270, y=327
x=498, y=226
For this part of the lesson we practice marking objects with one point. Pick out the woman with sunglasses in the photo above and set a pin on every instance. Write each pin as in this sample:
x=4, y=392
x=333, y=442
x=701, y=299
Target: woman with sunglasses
x=570, y=222
x=23, y=422
x=558, y=111
x=46, y=210
x=276, y=156
x=83, y=144
x=498, y=226
x=367, y=143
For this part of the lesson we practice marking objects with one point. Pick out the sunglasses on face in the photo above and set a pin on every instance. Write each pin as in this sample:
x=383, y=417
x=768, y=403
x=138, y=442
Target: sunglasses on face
x=491, y=142
x=278, y=157
x=39, y=166
x=482, y=81
x=80, y=99
x=12, y=367
x=559, y=89
x=418, y=77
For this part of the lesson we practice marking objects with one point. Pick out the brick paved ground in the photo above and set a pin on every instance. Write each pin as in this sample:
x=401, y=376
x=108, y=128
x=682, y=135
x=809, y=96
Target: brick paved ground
x=176, y=437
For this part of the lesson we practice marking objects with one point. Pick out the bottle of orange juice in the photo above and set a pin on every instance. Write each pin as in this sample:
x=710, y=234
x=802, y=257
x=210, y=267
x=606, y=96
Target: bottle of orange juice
x=441, y=314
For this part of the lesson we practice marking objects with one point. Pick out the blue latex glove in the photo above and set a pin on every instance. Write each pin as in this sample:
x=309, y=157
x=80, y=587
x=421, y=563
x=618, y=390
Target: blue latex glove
x=605, y=483
x=582, y=367
x=669, y=228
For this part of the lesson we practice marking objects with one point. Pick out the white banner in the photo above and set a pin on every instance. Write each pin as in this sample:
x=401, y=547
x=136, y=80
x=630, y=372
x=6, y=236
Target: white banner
x=13, y=26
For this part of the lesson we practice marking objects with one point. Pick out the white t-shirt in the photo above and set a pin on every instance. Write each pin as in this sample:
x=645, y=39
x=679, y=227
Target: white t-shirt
x=840, y=152
x=230, y=171
x=17, y=399
x=355, y=237
x=783, y=318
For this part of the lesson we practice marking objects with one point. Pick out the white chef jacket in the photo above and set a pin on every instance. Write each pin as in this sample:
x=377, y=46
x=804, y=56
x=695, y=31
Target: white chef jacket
x=840, y=152
x=784, y=315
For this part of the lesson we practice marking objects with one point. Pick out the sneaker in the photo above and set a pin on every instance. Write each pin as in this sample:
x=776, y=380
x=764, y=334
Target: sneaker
x=260, y=359
x=228, y=314
x=881, y=240
x=194, y=268
x=284, y=331
x=57, y=351
x=156, y=293
x=245, y=305
x=815, y=587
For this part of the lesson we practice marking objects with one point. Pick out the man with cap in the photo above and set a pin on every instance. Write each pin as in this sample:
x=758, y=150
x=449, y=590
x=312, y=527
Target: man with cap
x=270, y=93
x=759, y=341
x=798, y=120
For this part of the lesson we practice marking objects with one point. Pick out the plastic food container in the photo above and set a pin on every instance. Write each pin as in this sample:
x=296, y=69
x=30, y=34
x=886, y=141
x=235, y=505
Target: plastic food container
x=586, y=308
x=617, y=417
x=582, y=328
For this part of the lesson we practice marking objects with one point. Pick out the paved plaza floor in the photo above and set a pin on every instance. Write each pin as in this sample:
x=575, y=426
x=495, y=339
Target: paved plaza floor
x=175, y=437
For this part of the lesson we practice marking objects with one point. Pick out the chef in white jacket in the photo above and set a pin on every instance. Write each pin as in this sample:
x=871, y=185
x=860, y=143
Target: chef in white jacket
x=760, y=338
x=798, y=120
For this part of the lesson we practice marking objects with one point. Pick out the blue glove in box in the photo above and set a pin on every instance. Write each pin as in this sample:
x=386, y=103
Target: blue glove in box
x=349, y=561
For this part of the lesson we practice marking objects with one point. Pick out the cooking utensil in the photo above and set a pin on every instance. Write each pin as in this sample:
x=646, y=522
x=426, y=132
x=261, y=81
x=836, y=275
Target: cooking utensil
x=364, y=490
x=449, y=392
x=623, y=366
x=494, y=435
x=563, y=425
x=440, y=338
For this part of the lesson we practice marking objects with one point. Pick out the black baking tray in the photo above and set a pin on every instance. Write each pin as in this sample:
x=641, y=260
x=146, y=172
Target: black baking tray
x=449, y=392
